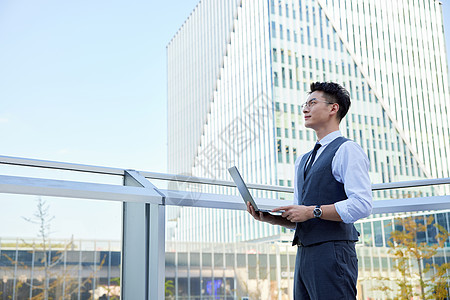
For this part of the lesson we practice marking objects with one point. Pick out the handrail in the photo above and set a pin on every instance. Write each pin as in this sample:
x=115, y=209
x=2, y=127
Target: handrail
x=192, y=179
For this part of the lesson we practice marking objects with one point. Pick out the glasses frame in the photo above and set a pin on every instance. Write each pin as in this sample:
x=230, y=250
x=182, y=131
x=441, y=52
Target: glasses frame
x=310, y=103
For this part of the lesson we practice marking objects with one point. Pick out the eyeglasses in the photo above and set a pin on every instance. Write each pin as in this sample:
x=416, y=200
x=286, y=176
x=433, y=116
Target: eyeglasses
x=309, y=104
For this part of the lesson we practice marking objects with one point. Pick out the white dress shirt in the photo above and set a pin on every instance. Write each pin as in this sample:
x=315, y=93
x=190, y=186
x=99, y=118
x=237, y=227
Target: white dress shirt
x=350, y=166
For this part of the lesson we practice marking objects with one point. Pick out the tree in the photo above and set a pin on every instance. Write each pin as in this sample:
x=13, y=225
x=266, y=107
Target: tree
x=169, y=288
x=53, y=284
x=43, y=219
x=408, y=253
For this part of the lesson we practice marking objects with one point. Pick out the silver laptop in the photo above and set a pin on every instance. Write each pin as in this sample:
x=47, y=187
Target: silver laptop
x=243, y=190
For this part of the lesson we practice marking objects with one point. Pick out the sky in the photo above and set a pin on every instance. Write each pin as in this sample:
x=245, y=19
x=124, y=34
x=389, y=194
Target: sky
x=83, y=82
x=86, y=82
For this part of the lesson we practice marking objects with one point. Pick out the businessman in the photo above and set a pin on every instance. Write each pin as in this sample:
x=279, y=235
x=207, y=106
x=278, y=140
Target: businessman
x=332, y=191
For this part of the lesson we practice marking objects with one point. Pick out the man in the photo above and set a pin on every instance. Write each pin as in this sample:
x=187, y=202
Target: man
x=332, y=191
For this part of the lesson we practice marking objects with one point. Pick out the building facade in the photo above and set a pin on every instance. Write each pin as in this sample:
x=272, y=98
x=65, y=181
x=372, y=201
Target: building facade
x=238, y=72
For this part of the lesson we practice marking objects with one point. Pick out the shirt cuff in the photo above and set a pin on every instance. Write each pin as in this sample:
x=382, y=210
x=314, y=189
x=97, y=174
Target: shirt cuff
x=342, y=210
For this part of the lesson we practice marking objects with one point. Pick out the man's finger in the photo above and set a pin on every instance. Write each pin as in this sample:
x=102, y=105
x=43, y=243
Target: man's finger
x=281, y=208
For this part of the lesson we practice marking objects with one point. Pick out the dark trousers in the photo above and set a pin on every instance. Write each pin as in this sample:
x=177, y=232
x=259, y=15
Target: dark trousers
x=326, y=271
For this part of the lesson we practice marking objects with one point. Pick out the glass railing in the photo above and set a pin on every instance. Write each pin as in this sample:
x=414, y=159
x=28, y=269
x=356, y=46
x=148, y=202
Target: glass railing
x=71, y=231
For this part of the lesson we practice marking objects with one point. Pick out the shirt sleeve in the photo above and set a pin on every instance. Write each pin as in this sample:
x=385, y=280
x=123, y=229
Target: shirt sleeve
x=351, y=167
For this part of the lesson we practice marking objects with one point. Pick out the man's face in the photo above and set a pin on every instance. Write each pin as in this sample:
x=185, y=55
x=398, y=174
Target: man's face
x=317, y=110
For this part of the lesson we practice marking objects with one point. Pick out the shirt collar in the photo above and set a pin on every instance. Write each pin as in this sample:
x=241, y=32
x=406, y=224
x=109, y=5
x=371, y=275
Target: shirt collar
x=330, y=137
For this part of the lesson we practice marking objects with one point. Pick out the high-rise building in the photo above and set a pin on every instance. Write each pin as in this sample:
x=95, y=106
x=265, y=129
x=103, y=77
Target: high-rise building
x=238, y=72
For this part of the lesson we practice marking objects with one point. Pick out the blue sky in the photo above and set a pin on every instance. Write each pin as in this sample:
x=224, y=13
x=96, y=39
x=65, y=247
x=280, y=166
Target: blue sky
x=85, y=82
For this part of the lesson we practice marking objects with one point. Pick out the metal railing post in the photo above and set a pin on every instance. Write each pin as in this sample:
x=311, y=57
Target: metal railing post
x=143, y=245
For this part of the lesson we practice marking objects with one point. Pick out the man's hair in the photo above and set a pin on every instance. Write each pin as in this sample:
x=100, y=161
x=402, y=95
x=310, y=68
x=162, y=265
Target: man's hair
x=335, y=93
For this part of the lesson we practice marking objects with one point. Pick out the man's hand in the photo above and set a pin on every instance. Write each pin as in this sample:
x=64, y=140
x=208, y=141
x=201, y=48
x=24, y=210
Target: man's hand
x=268, y=218
x=296, y=213
x=259, y=216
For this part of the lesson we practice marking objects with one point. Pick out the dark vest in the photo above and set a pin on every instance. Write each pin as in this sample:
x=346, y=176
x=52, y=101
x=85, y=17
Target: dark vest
x=321, y=188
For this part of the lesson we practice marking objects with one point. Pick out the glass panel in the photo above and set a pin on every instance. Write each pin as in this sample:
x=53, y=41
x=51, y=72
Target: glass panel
x=206, y=259
x=229, y=260
x=267, y=264
x=406, y=231
x=59, y=248
x=182, y=259
x=218, y=260
x=378, y=234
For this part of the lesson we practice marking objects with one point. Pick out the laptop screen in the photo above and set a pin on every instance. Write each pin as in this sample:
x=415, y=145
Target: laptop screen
x=242, y=187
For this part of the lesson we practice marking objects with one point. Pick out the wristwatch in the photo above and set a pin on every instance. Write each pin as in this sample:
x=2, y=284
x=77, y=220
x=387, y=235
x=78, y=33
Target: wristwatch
x=317, y=212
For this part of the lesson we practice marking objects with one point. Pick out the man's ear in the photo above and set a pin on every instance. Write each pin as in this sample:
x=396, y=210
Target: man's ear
x=334, y=108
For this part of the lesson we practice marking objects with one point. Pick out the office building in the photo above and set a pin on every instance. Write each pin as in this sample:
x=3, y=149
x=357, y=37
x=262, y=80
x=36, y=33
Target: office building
x=238, y=72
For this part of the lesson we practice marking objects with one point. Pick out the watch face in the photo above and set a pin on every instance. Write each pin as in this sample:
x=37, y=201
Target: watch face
x=317, y=212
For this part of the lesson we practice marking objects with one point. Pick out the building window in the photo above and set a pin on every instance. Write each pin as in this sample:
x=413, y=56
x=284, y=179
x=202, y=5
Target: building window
x=294, y=153
x=275, y=78
x=314, y=15
x=274, y=54
x=288, y=156
x=291, y=82
x=308, y=35
x=281, y=32
x=274, y=33
x=280, y=155
x=278, y=132
x=307, y=13
x=277, y=106
x=300, y=9
x=282, y=56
